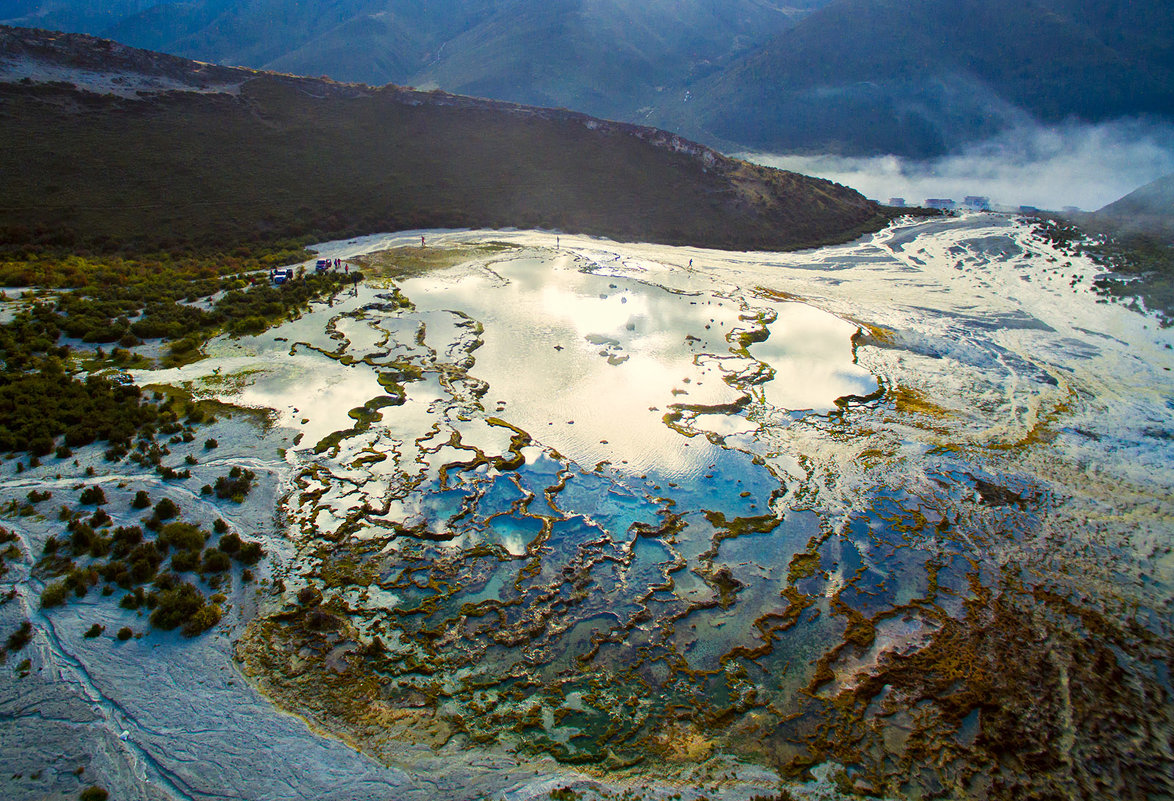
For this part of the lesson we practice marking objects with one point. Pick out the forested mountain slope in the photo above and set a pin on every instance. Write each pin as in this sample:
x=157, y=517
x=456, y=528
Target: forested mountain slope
x=107, y=145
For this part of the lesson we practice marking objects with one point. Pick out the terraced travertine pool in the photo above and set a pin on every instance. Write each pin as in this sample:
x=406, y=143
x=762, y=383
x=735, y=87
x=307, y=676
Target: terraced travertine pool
x=899, y=510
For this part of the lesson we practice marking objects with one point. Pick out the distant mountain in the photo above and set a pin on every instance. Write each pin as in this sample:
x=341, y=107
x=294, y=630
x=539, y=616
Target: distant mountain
x=354, y=40
x=913, y=77
x=79, y=16
x=1155, y=198
x=918, y=77
x=614, y=58
x=1148, y=210
x=108, y=146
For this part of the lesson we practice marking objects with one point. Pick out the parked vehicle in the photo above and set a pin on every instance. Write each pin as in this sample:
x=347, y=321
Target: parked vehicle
x=323, y=265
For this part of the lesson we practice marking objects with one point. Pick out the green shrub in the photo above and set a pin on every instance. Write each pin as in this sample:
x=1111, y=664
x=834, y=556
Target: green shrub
x=21, y=637
x=215, y=561
x=113, y=570
x=249, y=325
x=144, y=562
x=93, y=793
x=250, y=553
x=166, y=509
x=54, y=594
x=185, y=561
x=176, y=606
x=125, y=539
x=204, y=618
x=99, y=546
x=142, y=500
x=92, y=495
x=81, y=536
x=235, y=485
x=81, y=579
x=94, y=631
x=183, y=536
x=125, y=633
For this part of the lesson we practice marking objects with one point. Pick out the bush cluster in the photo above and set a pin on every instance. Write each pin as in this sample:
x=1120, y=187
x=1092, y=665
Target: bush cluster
x=92, y=495
x=45, y=407
x=37, y=408
x=129, y=314
x=86, y=554
x=236, y=485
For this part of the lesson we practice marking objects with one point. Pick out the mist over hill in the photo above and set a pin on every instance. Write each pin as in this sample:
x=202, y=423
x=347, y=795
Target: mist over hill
x=109, y=145
x=1147, y=211
x=1083, y=165
x=1155, y=198
x=921, y=77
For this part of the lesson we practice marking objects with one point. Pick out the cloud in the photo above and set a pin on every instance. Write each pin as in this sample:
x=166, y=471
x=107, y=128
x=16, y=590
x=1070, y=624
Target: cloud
x=1080, y=165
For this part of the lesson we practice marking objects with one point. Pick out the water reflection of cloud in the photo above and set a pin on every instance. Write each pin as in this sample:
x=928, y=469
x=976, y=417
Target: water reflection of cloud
x=811, y=353
x=549, y=328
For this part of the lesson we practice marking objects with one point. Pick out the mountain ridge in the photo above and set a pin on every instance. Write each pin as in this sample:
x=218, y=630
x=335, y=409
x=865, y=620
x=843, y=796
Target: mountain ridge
x=1145, y=213
x=1155, y=198
x=917, y=78
x=219, y=154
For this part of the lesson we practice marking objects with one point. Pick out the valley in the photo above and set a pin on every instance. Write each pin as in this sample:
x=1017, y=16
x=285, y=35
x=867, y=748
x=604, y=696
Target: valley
x=376, y=442
x=653, y=520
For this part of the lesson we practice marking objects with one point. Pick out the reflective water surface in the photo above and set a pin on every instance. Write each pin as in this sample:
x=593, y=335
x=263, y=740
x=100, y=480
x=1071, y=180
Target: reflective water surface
x=886, y=507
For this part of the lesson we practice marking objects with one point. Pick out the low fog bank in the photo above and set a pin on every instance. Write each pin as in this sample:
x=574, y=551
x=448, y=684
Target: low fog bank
x=1081, y=165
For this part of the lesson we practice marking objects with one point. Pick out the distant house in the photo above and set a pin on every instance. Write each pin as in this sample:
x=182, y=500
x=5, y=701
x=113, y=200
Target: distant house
x=898, y=202
x=977, y=202
x=944, y=203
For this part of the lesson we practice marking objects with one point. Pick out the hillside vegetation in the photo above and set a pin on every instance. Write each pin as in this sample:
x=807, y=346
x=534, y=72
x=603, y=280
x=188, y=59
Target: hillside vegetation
x=270, y=157
x=1134, y=237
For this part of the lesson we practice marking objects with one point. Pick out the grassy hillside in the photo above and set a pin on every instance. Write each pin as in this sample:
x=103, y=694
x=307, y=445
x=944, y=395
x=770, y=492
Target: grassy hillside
x=913, y=77
x=1134, y=238
x=605, y=57
x=289, y=157
x=1154, y=200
